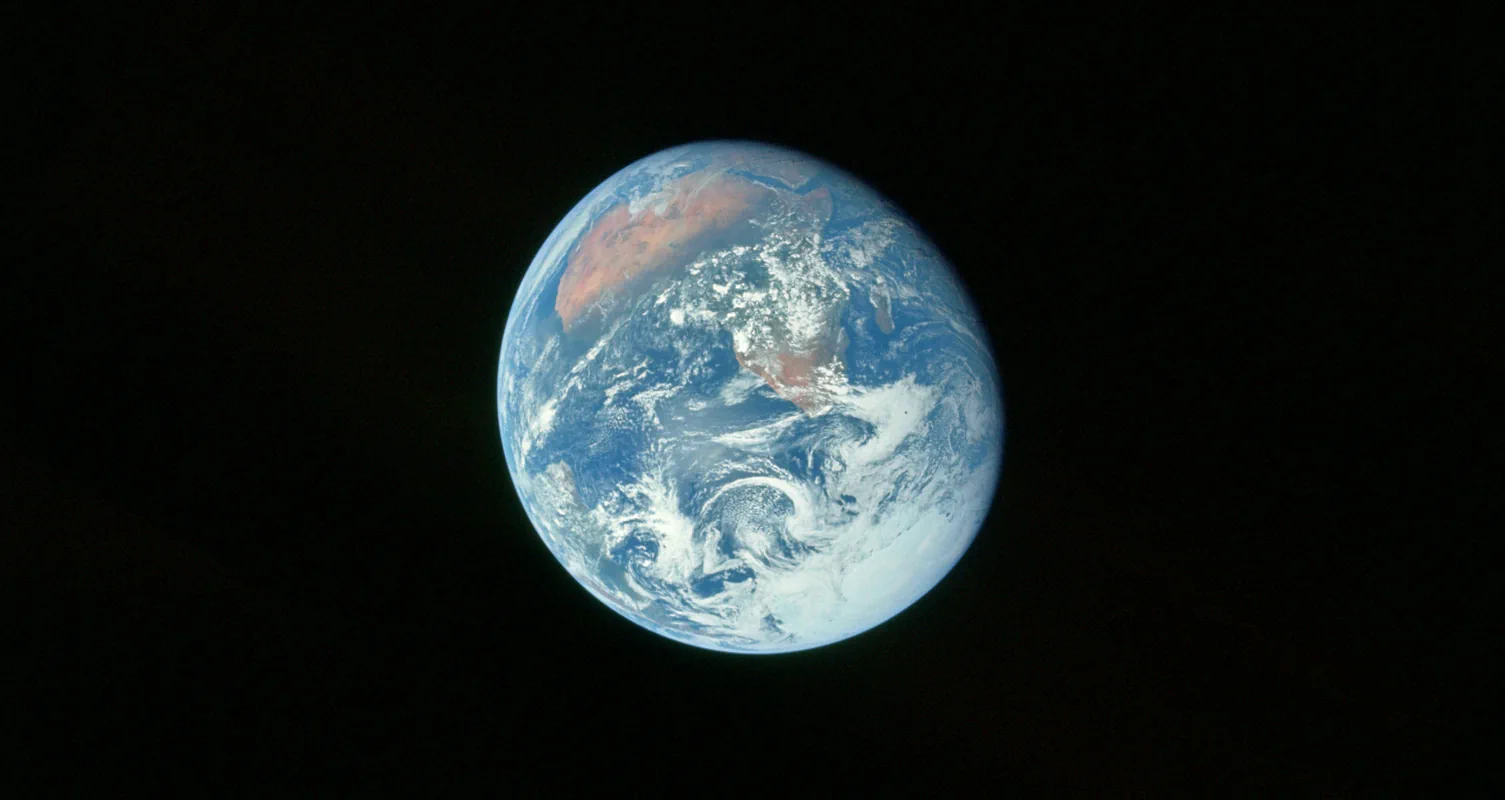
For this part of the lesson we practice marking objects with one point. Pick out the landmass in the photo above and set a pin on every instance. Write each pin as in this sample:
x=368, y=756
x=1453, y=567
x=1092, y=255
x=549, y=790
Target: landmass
x=624, y=250
x=622, y=247
x=789, y=171
x=883, y=312
x=804, y=376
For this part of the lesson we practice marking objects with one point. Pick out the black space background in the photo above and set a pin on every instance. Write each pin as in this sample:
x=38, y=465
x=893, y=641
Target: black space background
x=256, y=525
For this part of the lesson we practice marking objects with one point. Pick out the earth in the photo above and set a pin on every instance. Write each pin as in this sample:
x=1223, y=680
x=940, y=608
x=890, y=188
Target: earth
x=746, y=403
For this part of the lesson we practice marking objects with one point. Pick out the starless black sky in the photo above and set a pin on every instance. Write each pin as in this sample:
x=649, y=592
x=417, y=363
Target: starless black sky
x=256, y=520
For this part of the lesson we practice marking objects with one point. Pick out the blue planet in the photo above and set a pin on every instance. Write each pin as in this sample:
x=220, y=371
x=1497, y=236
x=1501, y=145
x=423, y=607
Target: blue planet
x=745, y=401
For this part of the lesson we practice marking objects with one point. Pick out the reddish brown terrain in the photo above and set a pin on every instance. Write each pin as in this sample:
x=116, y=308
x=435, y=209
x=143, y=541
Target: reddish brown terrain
x=817, y=204
x=622, y=247
x=791, y=368
x=792, y=375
